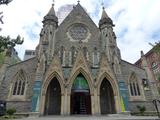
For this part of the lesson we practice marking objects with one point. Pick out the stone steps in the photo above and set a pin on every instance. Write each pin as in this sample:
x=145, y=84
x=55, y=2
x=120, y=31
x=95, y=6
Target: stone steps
x=80, y=117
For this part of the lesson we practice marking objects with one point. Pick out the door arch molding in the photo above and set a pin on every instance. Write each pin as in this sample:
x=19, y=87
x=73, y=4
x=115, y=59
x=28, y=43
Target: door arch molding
x=112, y=82
x=115, y=88
x=86, y=76
x=45, y=87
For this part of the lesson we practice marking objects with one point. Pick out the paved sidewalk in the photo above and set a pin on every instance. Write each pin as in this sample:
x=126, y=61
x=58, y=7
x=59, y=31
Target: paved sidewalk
x=116, y=117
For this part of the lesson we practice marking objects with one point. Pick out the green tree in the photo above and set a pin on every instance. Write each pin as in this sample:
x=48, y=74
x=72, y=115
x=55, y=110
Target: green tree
x=156, y=47
x=141, y=109
x=7, y=42
x=5, y=2
x=2, y=2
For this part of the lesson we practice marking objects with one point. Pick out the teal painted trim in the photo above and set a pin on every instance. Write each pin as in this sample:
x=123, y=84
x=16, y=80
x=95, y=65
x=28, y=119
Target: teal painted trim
x=80, y=83
x=36, y=96
x=124, y=93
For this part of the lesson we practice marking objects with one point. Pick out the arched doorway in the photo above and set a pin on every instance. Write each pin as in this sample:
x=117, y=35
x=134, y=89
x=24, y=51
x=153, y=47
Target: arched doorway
x=80, y=96
x=53, y=98
x=107, y=102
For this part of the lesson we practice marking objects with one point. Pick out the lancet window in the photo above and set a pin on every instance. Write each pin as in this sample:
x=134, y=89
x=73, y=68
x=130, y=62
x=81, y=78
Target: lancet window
x=95, y=57
x=19, y=84
x=134, y=86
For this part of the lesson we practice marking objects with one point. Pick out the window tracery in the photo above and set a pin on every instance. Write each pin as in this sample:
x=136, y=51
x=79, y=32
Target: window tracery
x=134, y=86
x=19, y=84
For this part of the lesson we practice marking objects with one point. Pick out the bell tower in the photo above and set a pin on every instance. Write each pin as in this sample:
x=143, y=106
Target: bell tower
x=108, y=37
x=50, y=24
x=45, y=52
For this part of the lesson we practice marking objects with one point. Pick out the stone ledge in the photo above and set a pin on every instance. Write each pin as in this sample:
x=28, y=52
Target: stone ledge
x=34, y=114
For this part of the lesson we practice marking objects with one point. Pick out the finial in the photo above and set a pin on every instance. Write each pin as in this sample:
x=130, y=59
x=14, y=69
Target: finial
x=142, y=53
x=103, y=4
x=78, y=1
x=53, y=3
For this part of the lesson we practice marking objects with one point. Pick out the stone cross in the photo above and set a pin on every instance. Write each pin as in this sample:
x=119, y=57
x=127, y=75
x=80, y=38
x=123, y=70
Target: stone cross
x=102, y=4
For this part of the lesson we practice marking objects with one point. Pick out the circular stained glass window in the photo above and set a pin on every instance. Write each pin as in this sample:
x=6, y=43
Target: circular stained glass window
x=78, y=32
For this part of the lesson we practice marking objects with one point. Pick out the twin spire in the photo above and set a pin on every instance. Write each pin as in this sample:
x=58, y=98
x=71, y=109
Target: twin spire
x=104, y=18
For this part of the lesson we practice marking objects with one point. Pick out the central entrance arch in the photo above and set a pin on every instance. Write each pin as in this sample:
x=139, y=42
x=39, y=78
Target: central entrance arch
x=80, y=96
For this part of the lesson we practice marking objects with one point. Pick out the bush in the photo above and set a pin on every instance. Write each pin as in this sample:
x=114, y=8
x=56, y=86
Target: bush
x=141, y=109
x=11, y=111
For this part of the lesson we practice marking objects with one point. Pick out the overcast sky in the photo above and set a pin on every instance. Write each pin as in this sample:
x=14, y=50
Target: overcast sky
x=137, y=22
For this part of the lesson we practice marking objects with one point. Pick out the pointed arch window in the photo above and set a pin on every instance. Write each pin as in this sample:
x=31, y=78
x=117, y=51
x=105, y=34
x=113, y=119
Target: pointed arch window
x=134, y=86
x=95, y=58
x=15, y=88
x=19, y=85
x=62, y=55
x=85, y=52
x=116, y=66
x=131, y=90
x=72, y=55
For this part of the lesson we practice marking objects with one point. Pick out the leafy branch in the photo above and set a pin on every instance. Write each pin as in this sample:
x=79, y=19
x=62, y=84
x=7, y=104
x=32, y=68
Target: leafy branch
x=7, y=42
x=5, y=2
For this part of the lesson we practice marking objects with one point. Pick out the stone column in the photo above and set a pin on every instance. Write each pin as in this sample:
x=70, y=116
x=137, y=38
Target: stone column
x=65, y=103
x=62, y=104
x=92, y=104
x=68, y=104
x=42, y=106
x=97, y=104
x=117, y=104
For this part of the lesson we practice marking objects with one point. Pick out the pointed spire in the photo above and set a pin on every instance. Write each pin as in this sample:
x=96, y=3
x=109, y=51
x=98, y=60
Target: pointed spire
x=104, y=14
x=51, y=16
x=51, y=11
x=105, y=19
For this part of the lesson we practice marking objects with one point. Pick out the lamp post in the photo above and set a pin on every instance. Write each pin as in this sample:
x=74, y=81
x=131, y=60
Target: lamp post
x=155, y=102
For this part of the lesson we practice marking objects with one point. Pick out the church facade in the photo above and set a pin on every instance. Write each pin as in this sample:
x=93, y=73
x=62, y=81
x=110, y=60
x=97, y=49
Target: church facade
x=77, y=70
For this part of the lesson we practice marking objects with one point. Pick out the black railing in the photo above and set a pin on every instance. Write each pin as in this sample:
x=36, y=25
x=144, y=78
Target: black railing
x=156, y=102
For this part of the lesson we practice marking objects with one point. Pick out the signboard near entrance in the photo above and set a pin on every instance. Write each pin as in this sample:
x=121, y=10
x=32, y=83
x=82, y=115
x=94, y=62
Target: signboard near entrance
x=36, y=96
x=124, y=96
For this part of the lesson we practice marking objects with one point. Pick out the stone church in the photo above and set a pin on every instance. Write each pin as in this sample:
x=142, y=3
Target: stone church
x=77, y=70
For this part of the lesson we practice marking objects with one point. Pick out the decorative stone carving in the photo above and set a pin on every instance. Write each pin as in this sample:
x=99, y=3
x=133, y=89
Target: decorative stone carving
x=78, y=32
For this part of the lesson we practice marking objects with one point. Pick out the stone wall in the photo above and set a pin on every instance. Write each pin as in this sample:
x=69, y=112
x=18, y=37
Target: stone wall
x=29, y=66
x=148, y=105
x=20, y=106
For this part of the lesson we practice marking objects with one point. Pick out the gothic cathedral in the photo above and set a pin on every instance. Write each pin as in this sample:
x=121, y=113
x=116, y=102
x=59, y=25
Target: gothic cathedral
x=77, y=70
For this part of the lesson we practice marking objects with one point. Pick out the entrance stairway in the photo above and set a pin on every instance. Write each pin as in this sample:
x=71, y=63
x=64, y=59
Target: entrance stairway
x=83, y=106
x=86, y=117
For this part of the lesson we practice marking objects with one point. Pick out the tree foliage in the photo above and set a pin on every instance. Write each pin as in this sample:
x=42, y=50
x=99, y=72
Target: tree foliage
x=2, y=2
x=156, y=47
x=5, y=2
x=7, y=42
x=141, y=109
